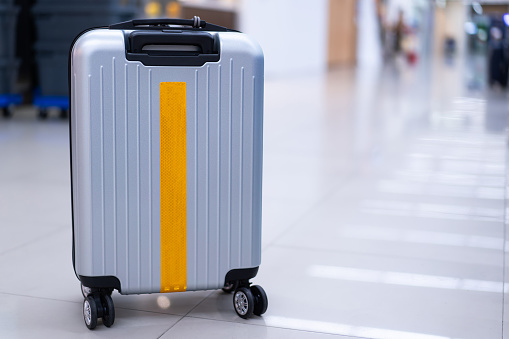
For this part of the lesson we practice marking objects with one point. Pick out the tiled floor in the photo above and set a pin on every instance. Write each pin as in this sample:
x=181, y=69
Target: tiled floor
x=384, y=208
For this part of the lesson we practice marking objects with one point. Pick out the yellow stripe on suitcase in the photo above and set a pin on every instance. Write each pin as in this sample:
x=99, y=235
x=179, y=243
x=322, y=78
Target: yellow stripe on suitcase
x=172, y=101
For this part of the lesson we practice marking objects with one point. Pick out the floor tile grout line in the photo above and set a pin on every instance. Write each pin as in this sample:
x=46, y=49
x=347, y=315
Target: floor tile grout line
x=179, y=315
x=208, y=296
x=79, y=302
x=185, y=315
x=42, y=237
x=169, y=328
x=271, y=326
x=35, y=297
x=154, y=312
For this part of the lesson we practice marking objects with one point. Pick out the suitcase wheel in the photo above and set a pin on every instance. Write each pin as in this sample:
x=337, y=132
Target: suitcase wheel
x=260, y=299
x=6, y=112
x=97, y=304
x=109, y=310
x=248, y=300
x=43, y=113
x=243, y=302
x=90, y=312
x=64, y=114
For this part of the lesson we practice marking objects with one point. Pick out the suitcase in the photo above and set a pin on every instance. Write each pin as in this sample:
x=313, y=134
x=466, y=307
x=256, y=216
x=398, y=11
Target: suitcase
x=166, y=162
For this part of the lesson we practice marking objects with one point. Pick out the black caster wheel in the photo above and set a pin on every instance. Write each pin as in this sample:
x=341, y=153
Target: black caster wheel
x=43, y=113
x=260, y=300
x=243, y=302
x=108, y=310
x=63, y=114
x=6, y=112
x=90, y=312
x=231, y=286
x=85, y=291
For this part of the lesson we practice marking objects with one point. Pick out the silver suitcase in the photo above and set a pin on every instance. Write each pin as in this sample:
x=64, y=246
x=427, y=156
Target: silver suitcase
x=166, y=162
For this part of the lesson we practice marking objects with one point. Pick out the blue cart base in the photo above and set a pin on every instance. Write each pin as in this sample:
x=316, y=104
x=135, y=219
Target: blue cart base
x=7, y=100
x=44, y=102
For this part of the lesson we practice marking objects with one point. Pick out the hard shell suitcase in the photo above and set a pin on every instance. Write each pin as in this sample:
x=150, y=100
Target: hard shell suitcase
x=166, y=162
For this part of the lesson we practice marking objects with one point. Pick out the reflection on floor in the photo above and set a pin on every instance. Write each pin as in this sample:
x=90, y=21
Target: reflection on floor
x=384, y=217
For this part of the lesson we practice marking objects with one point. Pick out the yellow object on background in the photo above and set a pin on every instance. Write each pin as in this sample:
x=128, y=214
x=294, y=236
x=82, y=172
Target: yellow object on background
x=173, y=9
x=172, y=101
x=153, y=9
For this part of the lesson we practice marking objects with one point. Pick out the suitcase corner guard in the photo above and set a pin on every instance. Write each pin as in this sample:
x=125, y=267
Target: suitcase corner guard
x=240, y=274
x=101, y=282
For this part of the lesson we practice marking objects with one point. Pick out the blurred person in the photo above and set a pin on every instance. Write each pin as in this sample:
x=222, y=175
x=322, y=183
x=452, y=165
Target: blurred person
x=449, y=47
x=399, y=32
x=497, y=58
x=383, y=28
x=405, y=41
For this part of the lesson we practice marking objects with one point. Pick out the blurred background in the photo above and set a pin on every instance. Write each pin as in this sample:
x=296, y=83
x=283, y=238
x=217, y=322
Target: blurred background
x=297, y=37
x=385, y=171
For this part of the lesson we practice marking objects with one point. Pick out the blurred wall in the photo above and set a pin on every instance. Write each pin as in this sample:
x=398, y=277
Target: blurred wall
x=369, y=48
x=292, y=33
x=342, y=32
x=449, y=22
x=222, y=13
x=394, y=7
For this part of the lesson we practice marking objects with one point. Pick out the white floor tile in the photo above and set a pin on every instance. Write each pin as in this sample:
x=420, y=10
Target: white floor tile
x=169, y=303
x=278, y=215
x=203, y=328
x=343, y=227
x=28, y=317
x=383, y=218
x=18, y=233
x=43, y=268
x=47, y=272
x=37, y=205
x=334, y=290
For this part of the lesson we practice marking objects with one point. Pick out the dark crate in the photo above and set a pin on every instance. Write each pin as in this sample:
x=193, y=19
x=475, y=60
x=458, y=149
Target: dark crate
x=8, y=17
x=52, y=60
x=8, y=75
x=63, y=23
x=118, y=3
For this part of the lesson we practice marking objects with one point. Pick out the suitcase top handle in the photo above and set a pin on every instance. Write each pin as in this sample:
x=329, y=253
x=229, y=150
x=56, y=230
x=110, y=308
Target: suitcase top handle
x=171, y=48
x=164, y=24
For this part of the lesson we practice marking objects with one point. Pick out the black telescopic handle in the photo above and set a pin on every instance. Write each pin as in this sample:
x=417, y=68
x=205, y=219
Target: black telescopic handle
x=165, y=23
